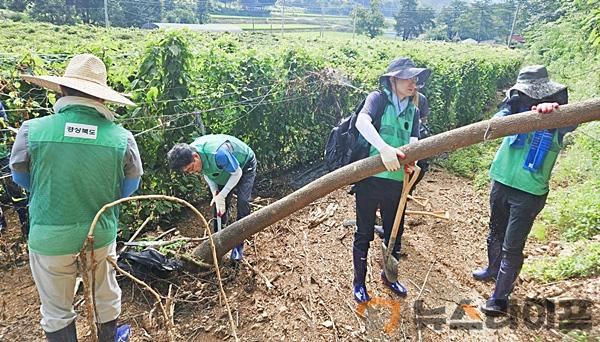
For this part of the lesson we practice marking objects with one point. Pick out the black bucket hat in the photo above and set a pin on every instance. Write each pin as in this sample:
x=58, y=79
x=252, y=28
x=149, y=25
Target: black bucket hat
x=405, y=68
x=534, y=82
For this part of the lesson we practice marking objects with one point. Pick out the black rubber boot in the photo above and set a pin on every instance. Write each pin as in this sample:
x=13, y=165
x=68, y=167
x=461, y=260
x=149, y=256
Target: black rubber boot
x=359, y=290
x=107, y=331
x=497, y=305
x=3, y=225
x=24, y=219
x=494, y=252
x=66, y=334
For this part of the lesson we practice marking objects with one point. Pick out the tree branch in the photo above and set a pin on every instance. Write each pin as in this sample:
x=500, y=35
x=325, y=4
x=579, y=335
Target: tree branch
x=494, y=128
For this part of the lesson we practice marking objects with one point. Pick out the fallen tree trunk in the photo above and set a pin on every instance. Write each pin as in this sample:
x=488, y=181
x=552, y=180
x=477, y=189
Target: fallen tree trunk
x=494, y=128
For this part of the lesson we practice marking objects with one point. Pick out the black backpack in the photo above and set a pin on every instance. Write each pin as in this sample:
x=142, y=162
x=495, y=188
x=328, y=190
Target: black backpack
x=343, y=146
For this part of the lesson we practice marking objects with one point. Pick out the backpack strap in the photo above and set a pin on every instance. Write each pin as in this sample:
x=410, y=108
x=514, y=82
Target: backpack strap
x=381, y=105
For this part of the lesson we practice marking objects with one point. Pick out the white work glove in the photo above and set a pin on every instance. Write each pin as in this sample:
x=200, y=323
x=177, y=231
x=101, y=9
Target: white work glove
x=219, y=202
x=389, y=157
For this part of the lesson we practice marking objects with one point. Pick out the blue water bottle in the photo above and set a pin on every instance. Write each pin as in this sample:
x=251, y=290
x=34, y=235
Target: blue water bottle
x=540, y=145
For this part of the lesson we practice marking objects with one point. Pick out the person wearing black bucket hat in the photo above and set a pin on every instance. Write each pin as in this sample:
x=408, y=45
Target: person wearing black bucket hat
x=520, y=175
x=398, y=126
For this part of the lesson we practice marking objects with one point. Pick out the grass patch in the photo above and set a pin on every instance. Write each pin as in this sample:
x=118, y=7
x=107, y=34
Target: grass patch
x=583, y=262
x=577, y=336
x=472, y=162
x=575, y=210
x=573, y=207
x=539, y=232
x=582, y=159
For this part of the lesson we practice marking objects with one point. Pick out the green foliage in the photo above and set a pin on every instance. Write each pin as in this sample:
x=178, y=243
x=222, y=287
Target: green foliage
x=472, y=162
x=16, y=5
x=539, y=232
x=369, y=21
x=581, y=160
x=578, y=336
x=202, y=11
x=281, y=96
x=180, y=16
x=575, y=210
x=412, y=21
x=574, y=206
x=54, y=11
x=450, y=15
x=563, y=47
x=134, y=14
x=592, y=22
x=166, y=249
x=584, y=261
x=162, y=82
x=124, y=13
x=479, y=20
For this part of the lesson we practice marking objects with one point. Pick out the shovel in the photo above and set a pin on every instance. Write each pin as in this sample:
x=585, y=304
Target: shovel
x=390, y=264
x=219, y=223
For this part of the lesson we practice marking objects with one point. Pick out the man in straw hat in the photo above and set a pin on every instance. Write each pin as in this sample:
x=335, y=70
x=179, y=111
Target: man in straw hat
x=73, y=162
x=389, y=119
x=520, y=174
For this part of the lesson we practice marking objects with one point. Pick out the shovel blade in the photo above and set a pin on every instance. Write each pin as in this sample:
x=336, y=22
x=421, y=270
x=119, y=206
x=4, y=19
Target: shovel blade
x=390, y=264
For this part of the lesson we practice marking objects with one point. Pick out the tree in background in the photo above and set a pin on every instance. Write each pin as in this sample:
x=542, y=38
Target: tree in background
x=477, y=22
x=15, y=5
x=54, y=11
x=542, y=11
x=503, y=15
x=486, y=29
x=138, y=13
x=449, y=16
x=168, y=5
x=179, y=11
x=180, y=16
x=369, y=21
x=412, y=21
x=89, y=11
x=202, y=11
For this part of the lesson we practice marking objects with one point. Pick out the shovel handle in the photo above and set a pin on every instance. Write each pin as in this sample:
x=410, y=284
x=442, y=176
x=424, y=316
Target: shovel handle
x=219, y=223
x=402, y=204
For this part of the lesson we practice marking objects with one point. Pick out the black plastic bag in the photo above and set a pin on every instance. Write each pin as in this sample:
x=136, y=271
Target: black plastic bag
x=148, y=263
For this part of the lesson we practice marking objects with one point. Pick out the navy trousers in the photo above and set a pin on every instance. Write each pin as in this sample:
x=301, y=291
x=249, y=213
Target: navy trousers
x=243, y=190
x=372, y=193
x=512, y=213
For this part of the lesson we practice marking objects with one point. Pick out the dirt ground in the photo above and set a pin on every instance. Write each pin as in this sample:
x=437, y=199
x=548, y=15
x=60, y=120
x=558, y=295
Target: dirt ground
x=296, y=284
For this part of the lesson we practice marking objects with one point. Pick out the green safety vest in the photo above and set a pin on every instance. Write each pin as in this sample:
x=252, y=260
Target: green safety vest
x=207, y=147
x=395, y=131
x=507, y=167
x=76, y=167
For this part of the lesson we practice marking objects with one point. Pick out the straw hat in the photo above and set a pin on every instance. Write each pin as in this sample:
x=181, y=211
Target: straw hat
x=86, y=73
